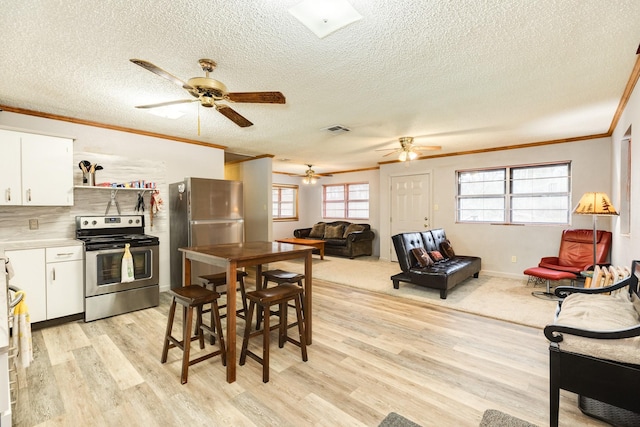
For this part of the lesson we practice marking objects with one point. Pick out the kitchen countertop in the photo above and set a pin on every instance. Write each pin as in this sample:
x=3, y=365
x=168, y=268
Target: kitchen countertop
x=34, y=244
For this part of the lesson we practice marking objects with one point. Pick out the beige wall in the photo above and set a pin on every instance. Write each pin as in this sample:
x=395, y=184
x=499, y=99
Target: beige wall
x=310, y=202
x=626, y=247
x=256, y=177
x=496, y=244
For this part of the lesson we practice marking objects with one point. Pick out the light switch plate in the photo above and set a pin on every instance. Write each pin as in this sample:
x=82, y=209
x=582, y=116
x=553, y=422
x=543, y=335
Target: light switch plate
x=33, y=224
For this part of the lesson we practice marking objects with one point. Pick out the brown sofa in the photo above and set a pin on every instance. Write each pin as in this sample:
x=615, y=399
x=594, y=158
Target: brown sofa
x=342, y=238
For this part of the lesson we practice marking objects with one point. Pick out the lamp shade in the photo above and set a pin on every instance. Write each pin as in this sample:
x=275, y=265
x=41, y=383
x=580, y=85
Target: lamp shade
x=595, y=204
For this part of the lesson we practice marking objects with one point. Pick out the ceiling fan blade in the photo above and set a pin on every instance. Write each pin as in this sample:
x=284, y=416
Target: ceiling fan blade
x=257, y=97
x=233, y=115
x=427, y=147
x=162, y=73
x=387, y=149
x=164, y=104
x=393, y=152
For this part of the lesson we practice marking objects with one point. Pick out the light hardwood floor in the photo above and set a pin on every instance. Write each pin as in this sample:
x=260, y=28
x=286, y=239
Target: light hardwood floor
x=371, y=354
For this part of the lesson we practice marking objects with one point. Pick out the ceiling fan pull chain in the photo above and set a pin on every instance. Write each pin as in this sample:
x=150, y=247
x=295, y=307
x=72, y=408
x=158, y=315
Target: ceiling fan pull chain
x=198, y=119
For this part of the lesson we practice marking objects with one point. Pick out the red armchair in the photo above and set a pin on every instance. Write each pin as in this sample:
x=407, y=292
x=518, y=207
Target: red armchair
x=576, y=251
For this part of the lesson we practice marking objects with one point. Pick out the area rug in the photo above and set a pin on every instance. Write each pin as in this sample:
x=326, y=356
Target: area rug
x=490, y=296
x=495, y=418
x=395, y=420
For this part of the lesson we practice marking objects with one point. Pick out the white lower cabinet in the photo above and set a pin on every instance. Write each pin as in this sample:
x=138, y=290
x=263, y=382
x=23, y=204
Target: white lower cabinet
x=52, y=278
x=29, y=268
x=65, y=281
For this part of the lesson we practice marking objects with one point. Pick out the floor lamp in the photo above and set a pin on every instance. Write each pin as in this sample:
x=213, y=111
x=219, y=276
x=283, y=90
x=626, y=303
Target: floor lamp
x=595, y=204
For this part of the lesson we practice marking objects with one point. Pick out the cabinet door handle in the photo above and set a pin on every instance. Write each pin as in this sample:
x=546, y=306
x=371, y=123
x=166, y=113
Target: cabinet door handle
x=8, y=194
x=54, y=273
x=64, y=254
x=29, y=194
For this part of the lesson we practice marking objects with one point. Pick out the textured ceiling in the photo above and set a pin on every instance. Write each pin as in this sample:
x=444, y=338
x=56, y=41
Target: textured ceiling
x=461, y=74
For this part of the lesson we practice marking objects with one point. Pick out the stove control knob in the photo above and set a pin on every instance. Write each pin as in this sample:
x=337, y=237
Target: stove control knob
x=85, y=222
x=130, y=221
x=94, y=222
x=137, y=221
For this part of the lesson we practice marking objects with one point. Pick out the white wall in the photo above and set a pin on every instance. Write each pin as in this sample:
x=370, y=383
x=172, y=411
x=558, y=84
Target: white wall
x=594, y=168
x=256, y=177
x=625, y=246
x=144, y=157
x=496, y=244
x=311, y=201
x=283, y=229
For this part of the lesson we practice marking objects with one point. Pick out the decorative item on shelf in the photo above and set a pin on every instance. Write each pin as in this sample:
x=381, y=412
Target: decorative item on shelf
x=89, y=172
x=156, y=205
x=595, y=204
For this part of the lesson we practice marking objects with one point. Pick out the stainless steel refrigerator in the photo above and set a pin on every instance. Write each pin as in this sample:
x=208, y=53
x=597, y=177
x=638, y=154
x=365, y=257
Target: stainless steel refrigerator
x=203, y=212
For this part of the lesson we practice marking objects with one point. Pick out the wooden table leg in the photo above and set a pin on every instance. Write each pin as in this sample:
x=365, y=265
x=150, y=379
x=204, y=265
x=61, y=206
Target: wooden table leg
x=308, y=316
x=232, y=286
x=322, y=250
x=186, y=270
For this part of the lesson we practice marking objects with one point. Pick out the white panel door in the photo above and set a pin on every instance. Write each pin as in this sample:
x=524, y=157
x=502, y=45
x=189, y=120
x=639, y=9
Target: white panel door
x=410, y=205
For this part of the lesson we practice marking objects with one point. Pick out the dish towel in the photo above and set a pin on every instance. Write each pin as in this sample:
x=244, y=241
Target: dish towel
x=22, y=332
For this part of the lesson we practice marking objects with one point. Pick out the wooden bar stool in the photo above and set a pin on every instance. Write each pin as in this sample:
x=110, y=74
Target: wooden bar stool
x=190, y=297
x=220, y=279
x=265, y=298
x=279, y=277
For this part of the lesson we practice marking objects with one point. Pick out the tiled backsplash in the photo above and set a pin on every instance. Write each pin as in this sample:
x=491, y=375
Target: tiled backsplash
x=58, y=222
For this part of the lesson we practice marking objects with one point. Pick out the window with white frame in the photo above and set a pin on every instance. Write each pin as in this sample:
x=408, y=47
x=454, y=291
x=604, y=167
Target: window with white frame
x=349, y=201
x=284, y=202
x=531, y=194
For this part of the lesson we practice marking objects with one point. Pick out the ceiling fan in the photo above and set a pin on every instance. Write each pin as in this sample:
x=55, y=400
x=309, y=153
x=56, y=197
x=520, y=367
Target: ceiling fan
x=407, y=150
x=209, y=92
x=311, y=177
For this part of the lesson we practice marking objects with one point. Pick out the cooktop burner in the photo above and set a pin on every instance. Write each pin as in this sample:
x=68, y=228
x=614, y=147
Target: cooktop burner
x=113, y=232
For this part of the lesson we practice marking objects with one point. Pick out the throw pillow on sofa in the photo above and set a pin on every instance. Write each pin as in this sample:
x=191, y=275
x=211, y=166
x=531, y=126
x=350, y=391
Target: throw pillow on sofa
x=351, y=228
x=422, y=257
x=317, y=230
x=436, y=256
x=446, y=249
x=333, y=231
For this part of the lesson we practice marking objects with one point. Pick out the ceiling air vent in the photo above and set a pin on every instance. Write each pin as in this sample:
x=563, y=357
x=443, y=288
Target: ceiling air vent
x=337, y=129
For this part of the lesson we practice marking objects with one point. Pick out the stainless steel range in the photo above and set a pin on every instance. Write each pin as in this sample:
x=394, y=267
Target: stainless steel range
x=104, y=240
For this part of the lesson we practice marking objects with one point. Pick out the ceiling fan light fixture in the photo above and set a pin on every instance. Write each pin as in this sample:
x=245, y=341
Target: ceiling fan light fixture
x=403, y=156
x=412, y=155
x=325, y=17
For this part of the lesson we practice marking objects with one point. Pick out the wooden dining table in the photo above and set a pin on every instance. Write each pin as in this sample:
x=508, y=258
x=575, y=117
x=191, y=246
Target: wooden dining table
x=248, y=254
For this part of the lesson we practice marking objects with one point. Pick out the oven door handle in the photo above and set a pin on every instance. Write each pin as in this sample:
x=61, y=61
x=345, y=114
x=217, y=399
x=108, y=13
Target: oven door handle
x=107, y=251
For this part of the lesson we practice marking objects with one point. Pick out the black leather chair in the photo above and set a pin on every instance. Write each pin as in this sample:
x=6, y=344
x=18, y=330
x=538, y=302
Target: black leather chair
x=442, y=275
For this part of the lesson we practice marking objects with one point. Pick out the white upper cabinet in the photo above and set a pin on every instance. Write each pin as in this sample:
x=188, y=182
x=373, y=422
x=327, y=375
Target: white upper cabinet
x=10, y=168
x=36, y=170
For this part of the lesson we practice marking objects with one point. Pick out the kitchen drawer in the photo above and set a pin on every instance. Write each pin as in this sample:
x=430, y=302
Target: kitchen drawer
x=65, y=253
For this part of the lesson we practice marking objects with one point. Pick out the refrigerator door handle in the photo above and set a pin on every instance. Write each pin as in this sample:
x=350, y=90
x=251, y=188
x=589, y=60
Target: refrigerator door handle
x=216, y=221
